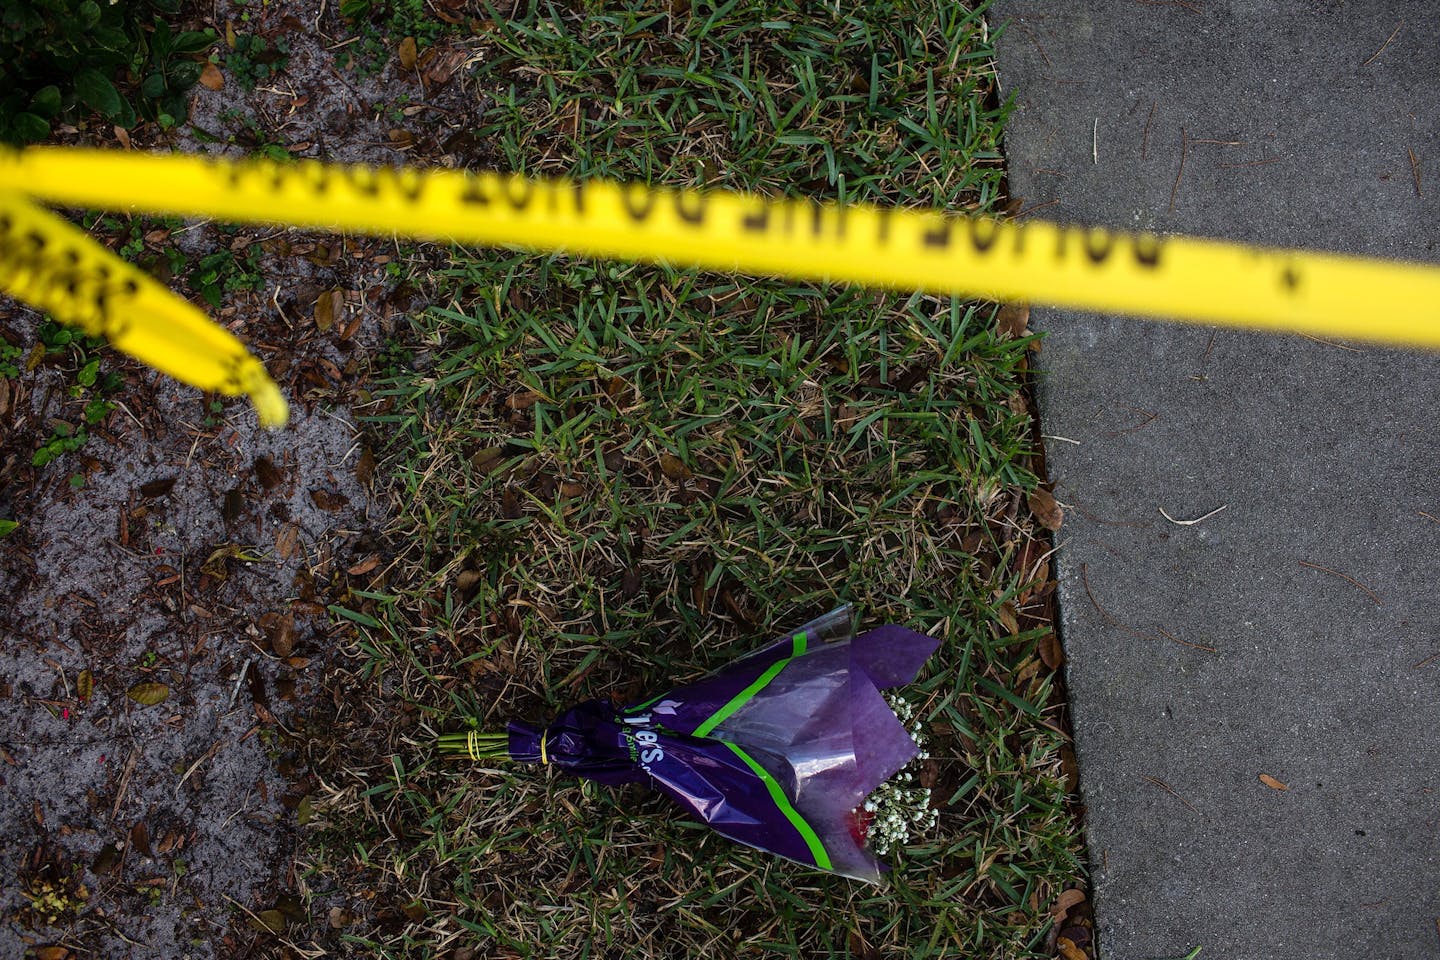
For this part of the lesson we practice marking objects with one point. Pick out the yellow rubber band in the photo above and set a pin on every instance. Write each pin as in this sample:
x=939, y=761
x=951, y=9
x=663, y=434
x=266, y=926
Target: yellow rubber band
x=470, y=741
x=543, y=757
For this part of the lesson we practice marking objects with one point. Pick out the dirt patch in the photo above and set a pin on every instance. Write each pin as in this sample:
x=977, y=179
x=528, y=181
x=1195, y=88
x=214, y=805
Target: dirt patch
x=165, y=628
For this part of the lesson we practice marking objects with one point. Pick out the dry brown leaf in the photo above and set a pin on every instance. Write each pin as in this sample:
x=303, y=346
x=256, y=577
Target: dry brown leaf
x=281, y=631
x=140, y=839
x=408, y=53
x=365, y=467
x=1272, y=783
x=1067, y=900
x=4, y=396
x=211, y=78
x=1051, y=652
x=1068, y=950
x=1045, y=509
x=674, y=468
x=327, y=309
x=85, y=685
x=365, y=566
x=148, y=694
x=328, y=500
x=1013, y=319
x=286, y=541
x=1008, y=618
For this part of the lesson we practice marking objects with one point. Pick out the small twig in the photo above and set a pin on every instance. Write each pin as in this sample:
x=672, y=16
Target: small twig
x=1415, y=171
x=1184, y=149
x=194, y=766
x=1149, y=419
x=1039, y=206
x=1331, y=343
x=1198, y=646
x=1428, y=516
x=1171, y=790
x=1393, y=34
x=1051, y=436
x=1248, y=163
x=1085, y=579
x=1368, y=592
x=1145, y=140
x=1428, y=660
x=1222, y=143
x=235, y=693
x=124, y=782
x=1191, y=523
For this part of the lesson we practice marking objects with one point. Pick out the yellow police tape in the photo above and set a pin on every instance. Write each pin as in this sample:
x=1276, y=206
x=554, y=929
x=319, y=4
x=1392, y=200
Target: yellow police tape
x=1084, y=268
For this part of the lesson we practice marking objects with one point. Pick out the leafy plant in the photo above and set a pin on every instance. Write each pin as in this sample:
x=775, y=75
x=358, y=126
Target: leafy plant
x=65, y=439
x=9, y=355
x=61, y=58
x=255, y=59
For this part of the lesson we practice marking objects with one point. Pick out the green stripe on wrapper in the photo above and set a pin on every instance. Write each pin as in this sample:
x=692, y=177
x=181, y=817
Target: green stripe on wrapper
x=777, y=793
x=798, y=644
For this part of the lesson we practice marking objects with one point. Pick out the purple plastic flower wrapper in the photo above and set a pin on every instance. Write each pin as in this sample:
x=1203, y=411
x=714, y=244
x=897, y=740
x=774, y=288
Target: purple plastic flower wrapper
x=776, y=750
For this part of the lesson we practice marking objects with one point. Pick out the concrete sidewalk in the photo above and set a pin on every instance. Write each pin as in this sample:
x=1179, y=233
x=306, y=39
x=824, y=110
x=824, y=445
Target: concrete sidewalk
x=1294, y=633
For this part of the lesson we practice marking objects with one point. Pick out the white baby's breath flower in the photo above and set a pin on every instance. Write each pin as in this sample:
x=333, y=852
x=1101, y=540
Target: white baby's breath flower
x=900, y=808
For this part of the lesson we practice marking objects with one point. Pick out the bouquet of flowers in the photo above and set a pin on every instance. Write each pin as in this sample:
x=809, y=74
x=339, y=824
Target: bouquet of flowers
x=779, y=750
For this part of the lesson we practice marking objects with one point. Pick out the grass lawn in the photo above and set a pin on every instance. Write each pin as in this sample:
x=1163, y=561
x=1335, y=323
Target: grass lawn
x=610, y=477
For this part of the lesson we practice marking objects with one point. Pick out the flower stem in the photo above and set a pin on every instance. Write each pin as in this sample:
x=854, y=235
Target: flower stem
x=474, y=745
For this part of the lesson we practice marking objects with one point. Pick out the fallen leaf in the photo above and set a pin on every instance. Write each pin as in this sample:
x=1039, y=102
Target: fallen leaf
x=1013, y=319
x=523, y=400
x=1051, y=653
x=328, y=501
x=304, y=810
x=1046, y=510
x=148, y=694
x=1008, y=619
x=211, y=78
x=1068, y=950
x=1067, y=900
x=1272, y=783
x=85, y=685
x=140, y=839
x=280, y=629
x=4, y=397
x=510, y=504
x=365, y=566
x=216, y=565
x=365, y=467
x=271, y=920
x=674, y=468
x=157, y=488
x=487, y=460
x=327, y=309
x=340, y=918
x=270, y=476
x=106, y=860
x=408, y=53
x=53, y=953
x=286, y=541
x=443, y=65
